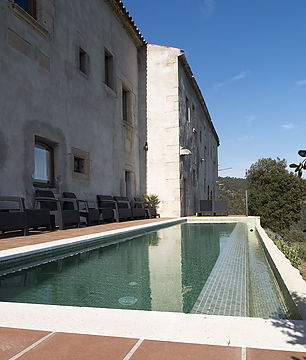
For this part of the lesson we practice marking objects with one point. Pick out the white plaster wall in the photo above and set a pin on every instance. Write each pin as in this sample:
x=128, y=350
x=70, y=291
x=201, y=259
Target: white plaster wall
x=163, y=128
x=62, y=104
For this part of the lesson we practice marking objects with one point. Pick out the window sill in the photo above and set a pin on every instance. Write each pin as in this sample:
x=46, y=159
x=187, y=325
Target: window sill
x=43, y=185
x=27, y=18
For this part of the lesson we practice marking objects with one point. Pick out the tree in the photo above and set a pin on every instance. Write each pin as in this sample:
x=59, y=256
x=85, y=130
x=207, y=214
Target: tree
x=275, y=194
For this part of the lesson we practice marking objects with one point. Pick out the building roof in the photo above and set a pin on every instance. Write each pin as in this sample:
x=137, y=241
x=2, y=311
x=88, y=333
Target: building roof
x=195, y=85
x=126, y=21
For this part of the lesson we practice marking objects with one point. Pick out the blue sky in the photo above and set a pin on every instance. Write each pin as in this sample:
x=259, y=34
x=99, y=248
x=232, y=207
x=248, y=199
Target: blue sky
x=249, y=59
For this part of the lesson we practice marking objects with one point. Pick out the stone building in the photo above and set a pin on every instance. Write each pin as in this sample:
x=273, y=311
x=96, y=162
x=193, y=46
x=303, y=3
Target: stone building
x=80, y=111
x=182, y=161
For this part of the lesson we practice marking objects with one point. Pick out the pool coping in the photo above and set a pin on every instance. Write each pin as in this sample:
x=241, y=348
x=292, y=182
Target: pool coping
x=192, y=328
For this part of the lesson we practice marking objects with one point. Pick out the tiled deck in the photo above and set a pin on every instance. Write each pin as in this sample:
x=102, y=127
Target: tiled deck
x=40, y=345
x=7, y=241
x=44, y=345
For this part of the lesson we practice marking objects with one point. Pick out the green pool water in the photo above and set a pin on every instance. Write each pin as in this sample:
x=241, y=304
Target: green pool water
x=198, y=268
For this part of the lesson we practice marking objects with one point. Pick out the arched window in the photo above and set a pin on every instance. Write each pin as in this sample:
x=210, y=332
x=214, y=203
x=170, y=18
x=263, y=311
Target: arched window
x=43, y=164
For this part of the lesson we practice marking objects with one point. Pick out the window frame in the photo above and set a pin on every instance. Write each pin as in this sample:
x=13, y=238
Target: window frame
x=49, y=147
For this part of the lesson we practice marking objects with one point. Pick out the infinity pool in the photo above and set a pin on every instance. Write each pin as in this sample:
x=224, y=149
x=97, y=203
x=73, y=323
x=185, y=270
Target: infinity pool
x=215, y=269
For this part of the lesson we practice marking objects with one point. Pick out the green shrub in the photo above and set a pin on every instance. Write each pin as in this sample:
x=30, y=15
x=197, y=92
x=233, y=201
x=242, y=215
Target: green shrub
x=294, y=235
x=292, y=253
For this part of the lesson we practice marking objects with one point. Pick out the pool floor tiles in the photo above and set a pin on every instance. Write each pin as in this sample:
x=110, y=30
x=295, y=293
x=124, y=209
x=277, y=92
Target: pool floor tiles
x=42, y=345
x=225, y=291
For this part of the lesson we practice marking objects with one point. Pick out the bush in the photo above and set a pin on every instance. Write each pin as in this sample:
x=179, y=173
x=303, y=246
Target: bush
x=292, y=253
x=294, y=235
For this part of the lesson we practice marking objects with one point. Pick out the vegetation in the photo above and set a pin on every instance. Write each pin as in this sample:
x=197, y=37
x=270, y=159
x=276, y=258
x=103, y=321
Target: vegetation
x=302, y=165
x=291, y=251
x=153, y=198
x=275, y=194
x=232, y=190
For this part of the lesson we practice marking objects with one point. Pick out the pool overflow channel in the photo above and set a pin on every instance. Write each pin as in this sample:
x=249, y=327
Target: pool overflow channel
x=216, y=269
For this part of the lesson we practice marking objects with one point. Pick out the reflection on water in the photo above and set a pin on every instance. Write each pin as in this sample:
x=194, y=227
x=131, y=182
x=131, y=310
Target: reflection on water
x=163, y=270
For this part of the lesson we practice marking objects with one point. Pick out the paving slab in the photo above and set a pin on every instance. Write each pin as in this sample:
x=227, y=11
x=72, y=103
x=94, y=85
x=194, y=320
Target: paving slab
x=163, y=350
x=61, y=346
x=13, y=341
x=260, y=354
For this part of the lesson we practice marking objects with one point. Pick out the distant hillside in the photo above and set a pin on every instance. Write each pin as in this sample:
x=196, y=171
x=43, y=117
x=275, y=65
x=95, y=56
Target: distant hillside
x=233, y=191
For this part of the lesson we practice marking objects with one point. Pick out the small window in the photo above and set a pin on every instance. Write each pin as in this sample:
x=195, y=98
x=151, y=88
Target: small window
x=27, y=5
x=108, y=69
x=187, y=110
x=128, y=184
x=79, y=165
x=83, y=61
x=43, y=164
x=126, y=105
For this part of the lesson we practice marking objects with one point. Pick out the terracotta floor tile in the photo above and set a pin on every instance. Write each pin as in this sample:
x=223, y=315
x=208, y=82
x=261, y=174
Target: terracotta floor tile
x=13, y=240
x=163, y=350
x=62, y=346
x=260, y=354
x=13, y=341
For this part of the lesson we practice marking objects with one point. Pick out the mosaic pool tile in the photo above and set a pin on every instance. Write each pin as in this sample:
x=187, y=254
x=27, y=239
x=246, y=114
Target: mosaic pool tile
x=225, y=292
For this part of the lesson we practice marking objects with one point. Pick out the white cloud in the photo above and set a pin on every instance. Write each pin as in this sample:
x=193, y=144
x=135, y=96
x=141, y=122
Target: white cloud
x=288, y=126
x=241, y=75
x=300, y=82
x=208, y=7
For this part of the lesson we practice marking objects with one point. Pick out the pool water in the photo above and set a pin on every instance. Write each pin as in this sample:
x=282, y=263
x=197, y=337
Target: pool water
x=199, y=268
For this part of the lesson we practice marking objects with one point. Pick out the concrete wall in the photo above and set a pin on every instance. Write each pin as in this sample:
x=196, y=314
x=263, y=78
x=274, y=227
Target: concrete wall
x=199, y=170
x=163, y=159
x=43, y=93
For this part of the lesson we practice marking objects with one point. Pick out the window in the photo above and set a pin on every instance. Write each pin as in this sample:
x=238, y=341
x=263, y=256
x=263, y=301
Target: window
x=43, y=163
x=128, y=184
x=83, y=61
x=188, y=114
x=78, y=165
x=108, y=69
x=27, y=5
x=126, y=105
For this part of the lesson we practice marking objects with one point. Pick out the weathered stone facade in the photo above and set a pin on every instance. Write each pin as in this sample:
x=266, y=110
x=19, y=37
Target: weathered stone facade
x=78, y=77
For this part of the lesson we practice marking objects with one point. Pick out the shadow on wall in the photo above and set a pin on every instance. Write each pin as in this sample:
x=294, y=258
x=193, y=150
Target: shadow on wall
x=142, y=115
x=3, y=150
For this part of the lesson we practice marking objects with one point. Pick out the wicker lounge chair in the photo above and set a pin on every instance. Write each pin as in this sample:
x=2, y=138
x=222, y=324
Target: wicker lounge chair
x=139, y=211
x=108, y=208
x=60, y=216
x=220, y=208
x=14, y=215
x=124, y=208
x=206, y=208
x=91, y=215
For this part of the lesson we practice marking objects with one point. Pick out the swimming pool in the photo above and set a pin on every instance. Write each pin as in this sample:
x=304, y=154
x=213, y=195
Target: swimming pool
x=217, y=269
